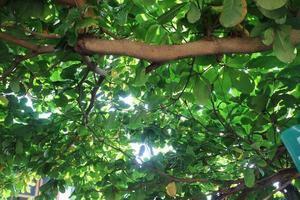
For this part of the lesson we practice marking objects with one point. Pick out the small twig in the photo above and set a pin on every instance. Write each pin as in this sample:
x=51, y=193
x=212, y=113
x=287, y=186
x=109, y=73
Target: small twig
x=153, y=66
x=33, y=33
x=281, y=187
x=93, y=98
x=15, y=64
x=93, y=66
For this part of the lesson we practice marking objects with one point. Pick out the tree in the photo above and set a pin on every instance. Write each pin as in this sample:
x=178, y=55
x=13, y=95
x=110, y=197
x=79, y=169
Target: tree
x=213, y=82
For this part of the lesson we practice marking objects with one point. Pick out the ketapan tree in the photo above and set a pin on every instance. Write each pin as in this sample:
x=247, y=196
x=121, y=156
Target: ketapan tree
x=149, y=99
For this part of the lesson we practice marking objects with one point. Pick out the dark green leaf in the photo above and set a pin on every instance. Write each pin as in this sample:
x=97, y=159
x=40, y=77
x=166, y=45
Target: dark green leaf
x=170, y=14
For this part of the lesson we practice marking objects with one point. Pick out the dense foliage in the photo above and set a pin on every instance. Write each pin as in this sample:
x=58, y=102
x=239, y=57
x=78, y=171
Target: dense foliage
x=116, y=127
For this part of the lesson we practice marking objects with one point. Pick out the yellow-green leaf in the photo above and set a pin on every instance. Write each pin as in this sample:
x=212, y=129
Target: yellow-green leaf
x=3, y=100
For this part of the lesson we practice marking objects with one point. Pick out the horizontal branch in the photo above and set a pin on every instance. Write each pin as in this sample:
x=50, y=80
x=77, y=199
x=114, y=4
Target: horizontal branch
x=283, y=175
x=164, y=53
x=157, y=53
x=24, y=43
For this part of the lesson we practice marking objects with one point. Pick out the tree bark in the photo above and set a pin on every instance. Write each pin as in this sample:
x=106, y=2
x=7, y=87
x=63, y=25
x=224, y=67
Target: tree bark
x=164, y=53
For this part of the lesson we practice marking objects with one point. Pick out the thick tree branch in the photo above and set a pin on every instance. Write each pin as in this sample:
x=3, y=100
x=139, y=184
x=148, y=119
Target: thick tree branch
x=164, y=53
x=158, y=53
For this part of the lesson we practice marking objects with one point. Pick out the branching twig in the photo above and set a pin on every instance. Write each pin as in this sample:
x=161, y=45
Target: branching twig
x=15, y=64
x=279, y=189
x=93, y=98
x=93, y=66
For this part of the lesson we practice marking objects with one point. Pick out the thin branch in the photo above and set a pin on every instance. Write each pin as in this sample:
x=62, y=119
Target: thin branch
x=43, y=35
x=93, y=98
x=93, y=66
x=15, y=64
x=280, y=188
x=280, y=176
x=153, y=66
x=23, y=43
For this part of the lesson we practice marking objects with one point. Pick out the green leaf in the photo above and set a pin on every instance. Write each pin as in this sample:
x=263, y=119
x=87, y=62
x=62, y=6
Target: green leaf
x=274, y=14
x=86, y=23
x=223, y=83
x=193, y=14
x=136, y=120
x=282, y=46
x=271, y=4
x=170, y=14
x=268, y=36
x=28, y=8
x=201, y=91
x=3, y=100
x=4, y=53
x=258, y=29
x=140, y=75
x=19, y=147
x=69, y=72
x=211, y=75
x=241, y=81
x=112, y=121
x=234, y=11
x=15, y=86
x=249, y=177
x=152, y=33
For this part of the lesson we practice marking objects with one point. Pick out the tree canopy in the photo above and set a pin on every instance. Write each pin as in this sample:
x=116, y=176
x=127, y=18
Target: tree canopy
x=149, y=99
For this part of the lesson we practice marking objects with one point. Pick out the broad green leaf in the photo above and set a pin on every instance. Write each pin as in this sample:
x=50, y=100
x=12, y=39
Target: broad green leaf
x=234, y=12
x=201, y=91
x=237, y=61
x=271, y=4
x=69, y=72
x=136, y=120
x=223, y=83
x=264, y=62
x=268, y=36
x=19, y=147
x=259, y=29
x=28, y=8
x=211, y=75
x=282, y=46
x=249, y=177
x=3, y=100
x=170, y=14
x=4, y=53
x=193, y=14
x=15, y=86
x=140, y=76
x=274, y=14
x=241, y=81
x=152, y=33
x=111, y=122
